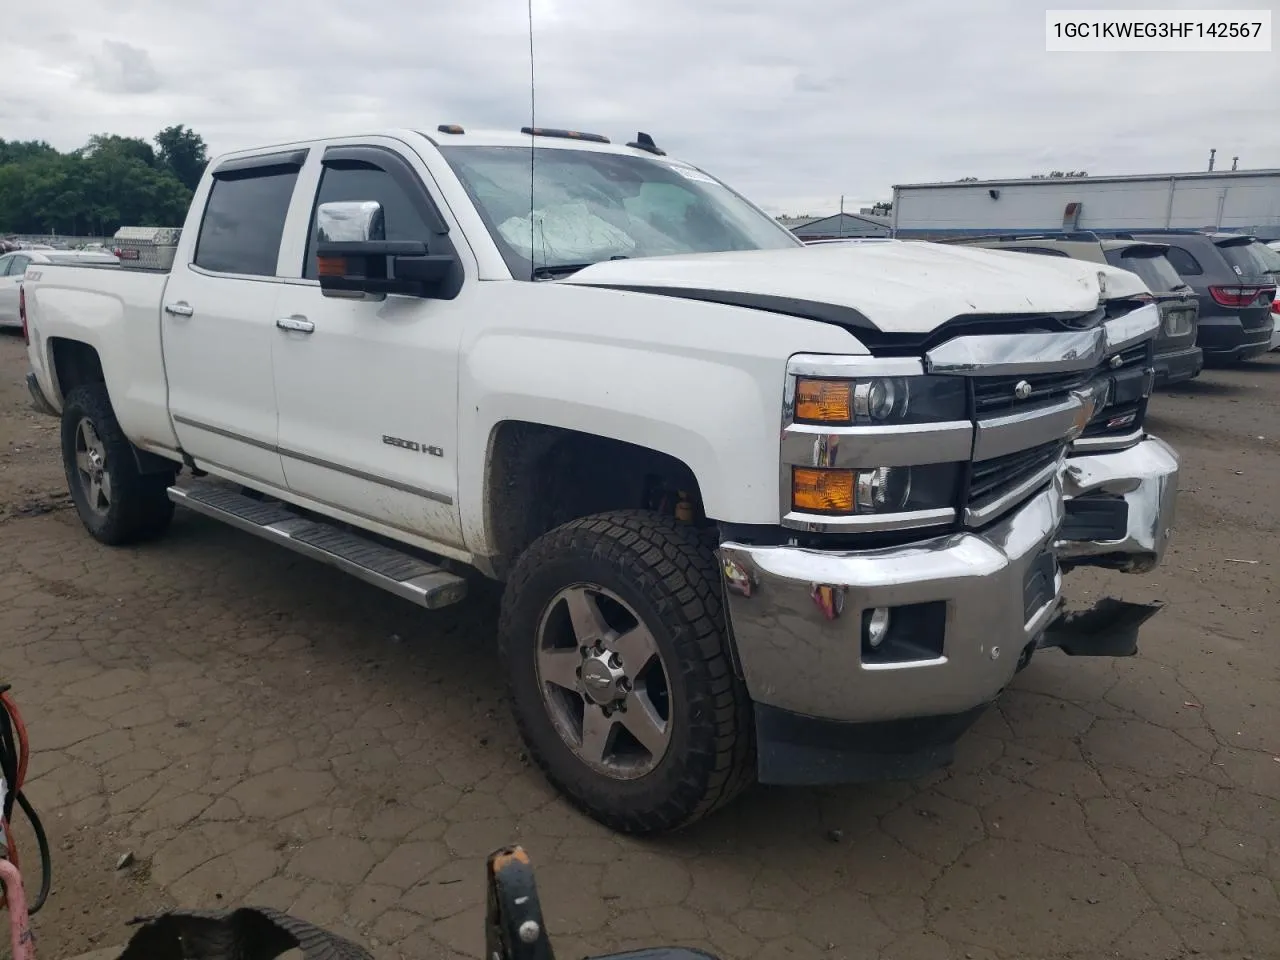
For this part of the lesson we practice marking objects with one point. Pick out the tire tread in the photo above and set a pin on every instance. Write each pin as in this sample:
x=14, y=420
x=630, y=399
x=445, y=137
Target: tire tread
x=142, y=506
x=675, y=565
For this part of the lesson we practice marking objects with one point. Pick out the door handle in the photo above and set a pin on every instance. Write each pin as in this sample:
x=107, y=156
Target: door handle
x=297, y=324
x=179, y=309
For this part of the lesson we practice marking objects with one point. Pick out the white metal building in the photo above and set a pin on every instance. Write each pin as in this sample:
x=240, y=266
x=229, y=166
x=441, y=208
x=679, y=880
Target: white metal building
x=1245, y=201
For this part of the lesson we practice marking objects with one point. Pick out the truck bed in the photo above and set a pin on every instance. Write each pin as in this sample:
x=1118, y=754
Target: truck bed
x=117, y=312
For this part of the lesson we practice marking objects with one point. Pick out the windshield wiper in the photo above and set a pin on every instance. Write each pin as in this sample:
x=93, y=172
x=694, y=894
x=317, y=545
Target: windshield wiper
x=564, y=269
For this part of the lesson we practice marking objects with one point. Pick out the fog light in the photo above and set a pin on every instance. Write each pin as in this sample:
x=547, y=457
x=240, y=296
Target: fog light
x=877, y=626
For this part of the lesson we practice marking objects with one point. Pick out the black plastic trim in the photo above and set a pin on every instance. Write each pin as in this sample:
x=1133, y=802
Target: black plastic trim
x=391, y=163
x=288, y=160
x=789, y=306
x=1095, y=519
x=795, y=749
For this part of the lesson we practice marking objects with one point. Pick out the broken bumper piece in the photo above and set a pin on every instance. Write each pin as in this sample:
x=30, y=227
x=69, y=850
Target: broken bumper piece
x=1120, y=508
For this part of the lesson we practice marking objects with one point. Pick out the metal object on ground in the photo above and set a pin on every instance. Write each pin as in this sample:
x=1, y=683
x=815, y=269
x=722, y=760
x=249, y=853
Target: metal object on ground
x=514, y=928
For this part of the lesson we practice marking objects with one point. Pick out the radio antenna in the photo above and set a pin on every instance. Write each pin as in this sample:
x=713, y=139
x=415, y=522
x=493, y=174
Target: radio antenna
x=533, y=133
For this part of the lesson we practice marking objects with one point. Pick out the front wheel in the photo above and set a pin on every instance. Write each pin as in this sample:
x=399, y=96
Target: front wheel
x=613, y=634
x=117, y=504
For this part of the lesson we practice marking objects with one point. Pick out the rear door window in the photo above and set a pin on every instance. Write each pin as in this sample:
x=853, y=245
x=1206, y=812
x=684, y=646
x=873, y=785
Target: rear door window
x=244, y=221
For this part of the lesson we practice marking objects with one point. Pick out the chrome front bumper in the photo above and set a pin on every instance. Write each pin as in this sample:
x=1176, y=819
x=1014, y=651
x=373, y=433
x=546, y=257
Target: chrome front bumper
x=798, y=656
x=1141, y=484
x=797, y=614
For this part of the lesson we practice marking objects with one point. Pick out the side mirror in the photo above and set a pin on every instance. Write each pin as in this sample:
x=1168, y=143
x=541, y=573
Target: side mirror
x=355, y=261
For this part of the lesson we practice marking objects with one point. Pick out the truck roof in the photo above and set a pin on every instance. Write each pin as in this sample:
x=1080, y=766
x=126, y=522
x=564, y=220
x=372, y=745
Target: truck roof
x=548, y=140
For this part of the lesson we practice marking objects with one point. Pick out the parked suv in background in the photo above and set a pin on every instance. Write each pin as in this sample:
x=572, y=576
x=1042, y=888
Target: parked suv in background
x=1234, y=290
x=1177, y=357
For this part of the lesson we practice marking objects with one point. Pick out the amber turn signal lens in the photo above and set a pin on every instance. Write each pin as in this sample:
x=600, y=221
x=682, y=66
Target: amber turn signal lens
x=824, y=401
x=822, y=491
x=331, y=266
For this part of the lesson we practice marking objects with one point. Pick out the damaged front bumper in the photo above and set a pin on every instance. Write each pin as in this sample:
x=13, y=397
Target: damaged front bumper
x=1120, y=507
x=965, y=612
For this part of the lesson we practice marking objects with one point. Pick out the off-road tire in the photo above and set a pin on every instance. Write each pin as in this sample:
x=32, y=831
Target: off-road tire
x=667, y=572
x=139, y=508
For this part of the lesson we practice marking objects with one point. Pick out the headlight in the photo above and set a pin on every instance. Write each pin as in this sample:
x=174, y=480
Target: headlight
x=875, y=490
x=879, y=400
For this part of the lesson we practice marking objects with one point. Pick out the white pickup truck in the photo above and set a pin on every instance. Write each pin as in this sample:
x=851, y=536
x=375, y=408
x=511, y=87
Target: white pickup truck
x=762, y=512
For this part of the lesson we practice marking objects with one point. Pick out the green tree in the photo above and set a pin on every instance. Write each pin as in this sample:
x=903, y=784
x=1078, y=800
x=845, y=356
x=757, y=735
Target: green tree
x=114, y=145
x=15, y=151
x=184, y=153
x=110, y=181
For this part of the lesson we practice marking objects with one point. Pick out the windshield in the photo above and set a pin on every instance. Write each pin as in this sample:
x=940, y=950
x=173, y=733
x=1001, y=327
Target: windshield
x=1156, y=271
x=590, y=206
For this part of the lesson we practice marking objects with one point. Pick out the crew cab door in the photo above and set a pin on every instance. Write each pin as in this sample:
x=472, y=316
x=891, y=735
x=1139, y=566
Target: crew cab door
x=367, y=390
x=218, y=320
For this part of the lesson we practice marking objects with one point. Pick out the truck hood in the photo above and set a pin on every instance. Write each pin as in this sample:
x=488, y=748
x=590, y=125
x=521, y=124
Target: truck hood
x=1117, y=283
x=891, y=286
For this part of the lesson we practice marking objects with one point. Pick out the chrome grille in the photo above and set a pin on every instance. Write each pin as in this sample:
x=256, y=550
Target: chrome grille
x=991, y=480
x=995, y=395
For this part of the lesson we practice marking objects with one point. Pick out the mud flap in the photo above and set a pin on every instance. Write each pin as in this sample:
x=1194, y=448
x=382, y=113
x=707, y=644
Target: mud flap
x=1107, y=629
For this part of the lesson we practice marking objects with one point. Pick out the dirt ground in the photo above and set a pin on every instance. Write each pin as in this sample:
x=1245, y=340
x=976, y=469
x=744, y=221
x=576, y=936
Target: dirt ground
x=255, y=727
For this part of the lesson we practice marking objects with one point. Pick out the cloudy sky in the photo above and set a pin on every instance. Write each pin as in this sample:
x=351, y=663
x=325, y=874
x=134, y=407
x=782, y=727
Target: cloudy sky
x=795, y=102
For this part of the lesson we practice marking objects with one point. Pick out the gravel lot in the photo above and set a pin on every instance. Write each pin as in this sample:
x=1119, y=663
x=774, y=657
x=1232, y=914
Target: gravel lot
x=255, y=727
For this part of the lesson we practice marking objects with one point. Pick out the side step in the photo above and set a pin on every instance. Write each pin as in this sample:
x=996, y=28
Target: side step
x=399, y=573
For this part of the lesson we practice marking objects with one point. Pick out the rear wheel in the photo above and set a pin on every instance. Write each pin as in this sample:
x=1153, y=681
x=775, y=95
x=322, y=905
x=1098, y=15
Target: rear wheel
x=117, y=504
x=614, y=639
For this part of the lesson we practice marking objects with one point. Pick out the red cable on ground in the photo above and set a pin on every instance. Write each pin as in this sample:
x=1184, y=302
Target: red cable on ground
x=14, y=897
x=24, y=746
x=21, y=939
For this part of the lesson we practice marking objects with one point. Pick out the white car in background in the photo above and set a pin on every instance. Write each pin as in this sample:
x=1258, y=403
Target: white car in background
x=14, y=265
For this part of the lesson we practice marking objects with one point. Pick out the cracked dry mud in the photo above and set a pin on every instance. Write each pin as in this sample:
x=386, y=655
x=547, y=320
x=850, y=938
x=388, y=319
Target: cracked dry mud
x=257, y=728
